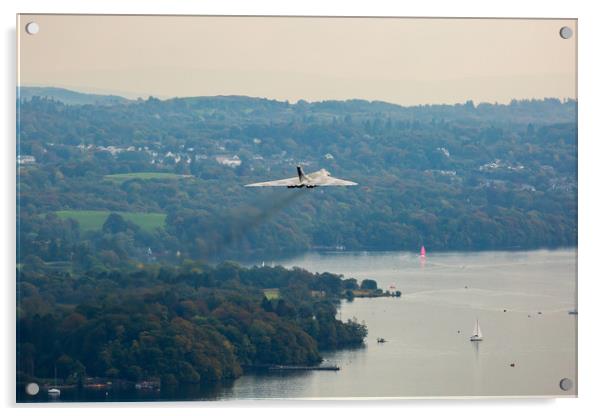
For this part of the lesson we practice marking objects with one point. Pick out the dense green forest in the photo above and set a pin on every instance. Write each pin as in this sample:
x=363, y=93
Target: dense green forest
x=451, y=177
x=191, y=324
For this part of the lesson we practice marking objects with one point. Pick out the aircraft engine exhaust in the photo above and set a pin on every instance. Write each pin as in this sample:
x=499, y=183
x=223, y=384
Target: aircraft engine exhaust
x=241, y=220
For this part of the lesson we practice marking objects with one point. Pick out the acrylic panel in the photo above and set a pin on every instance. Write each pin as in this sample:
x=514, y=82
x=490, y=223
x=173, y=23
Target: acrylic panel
x=229, y=207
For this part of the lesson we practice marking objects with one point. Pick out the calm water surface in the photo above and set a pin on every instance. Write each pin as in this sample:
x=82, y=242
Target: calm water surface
x=428, y=352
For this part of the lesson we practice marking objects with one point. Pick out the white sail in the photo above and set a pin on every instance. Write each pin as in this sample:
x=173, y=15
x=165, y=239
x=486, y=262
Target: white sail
x=477, y=333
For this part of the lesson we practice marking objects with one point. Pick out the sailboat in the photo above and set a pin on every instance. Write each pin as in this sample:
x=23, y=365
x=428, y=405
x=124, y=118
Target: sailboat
x=477, y=335
x=422, y=252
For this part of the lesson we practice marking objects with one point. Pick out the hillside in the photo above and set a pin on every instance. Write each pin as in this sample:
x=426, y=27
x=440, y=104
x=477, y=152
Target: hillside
x=452, y=177
x=69, y=97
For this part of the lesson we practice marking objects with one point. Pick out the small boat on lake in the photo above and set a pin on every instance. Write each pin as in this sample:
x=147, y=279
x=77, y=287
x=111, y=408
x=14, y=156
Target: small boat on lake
x=54, y=392
x=380, y=340
x=477, y=334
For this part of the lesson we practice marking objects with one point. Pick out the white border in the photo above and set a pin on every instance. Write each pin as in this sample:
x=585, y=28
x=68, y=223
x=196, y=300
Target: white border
x=590, y=135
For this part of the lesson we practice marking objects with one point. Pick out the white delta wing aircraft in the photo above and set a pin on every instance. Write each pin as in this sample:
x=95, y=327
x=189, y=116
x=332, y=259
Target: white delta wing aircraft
x=311, y=180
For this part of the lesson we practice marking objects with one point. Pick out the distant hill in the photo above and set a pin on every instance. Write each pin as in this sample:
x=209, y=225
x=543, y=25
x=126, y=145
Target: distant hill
x=452, y=177
x=254, y=109
x=70, y=97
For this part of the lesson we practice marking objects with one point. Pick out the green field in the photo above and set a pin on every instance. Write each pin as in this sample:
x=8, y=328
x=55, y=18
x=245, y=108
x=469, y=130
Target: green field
x=272, y=294
x=93, y=220
x=122, y=177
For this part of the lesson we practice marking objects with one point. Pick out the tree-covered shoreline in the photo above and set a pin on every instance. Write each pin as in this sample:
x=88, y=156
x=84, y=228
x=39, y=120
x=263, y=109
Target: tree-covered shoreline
x=192, y=324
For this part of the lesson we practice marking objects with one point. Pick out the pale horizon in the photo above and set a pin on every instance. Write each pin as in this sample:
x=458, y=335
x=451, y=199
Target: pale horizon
x=404, y=61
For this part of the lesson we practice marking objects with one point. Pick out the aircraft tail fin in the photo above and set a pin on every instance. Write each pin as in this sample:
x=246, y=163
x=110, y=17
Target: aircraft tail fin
x=300, y=173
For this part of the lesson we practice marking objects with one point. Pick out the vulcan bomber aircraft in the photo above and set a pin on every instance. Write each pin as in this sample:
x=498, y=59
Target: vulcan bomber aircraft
x=311, y=180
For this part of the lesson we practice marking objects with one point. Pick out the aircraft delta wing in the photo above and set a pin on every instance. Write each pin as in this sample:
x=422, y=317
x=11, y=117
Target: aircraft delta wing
x=282, y=182
x=311, y=180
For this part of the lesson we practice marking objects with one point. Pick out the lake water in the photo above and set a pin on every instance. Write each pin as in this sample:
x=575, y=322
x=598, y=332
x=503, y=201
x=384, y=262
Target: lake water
x=428, y=352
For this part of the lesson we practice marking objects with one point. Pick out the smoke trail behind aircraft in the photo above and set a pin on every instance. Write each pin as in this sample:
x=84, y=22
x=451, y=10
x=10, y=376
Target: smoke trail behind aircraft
x=238, y=222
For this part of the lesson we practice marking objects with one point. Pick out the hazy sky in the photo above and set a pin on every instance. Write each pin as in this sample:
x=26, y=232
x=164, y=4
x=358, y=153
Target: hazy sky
x=405, y=61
